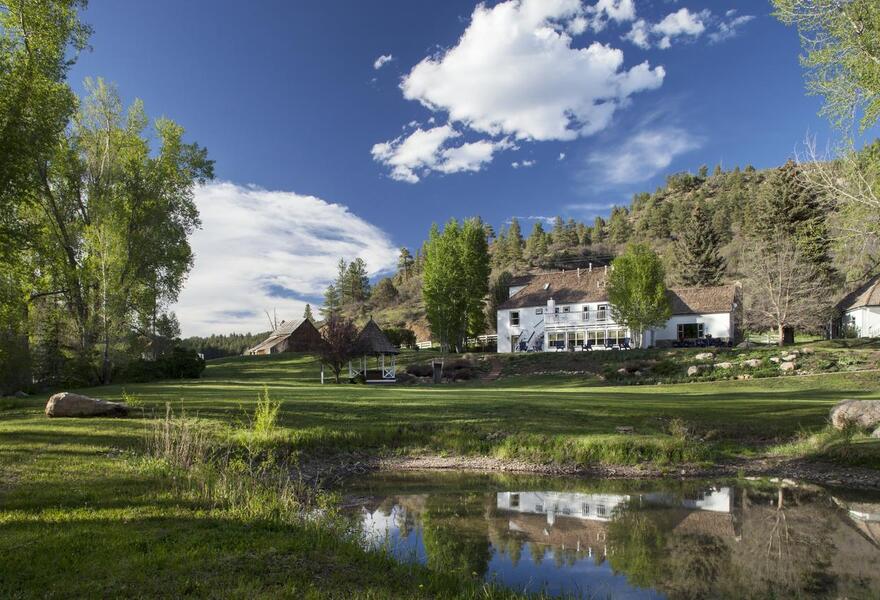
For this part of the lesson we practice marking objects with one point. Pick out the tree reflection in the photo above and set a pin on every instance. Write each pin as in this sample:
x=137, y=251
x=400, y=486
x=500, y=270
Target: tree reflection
x=455, y=534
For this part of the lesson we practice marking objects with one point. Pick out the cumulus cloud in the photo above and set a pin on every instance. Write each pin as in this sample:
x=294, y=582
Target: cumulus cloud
x=516, y=73
x=382, y=61
x=264, y=250
x=413, y=156
x=561, y=156
x=642, y=156
x=686, y=25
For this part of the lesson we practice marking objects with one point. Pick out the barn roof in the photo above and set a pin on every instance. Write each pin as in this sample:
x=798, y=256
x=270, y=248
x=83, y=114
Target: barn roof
x=371, y=340
x=573, y=287
x=868, y=294
x=281, y=333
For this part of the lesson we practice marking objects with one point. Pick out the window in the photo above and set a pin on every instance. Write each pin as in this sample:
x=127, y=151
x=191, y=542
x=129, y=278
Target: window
x=602, y=312
x=514, y=317
x=539, y=311
x=514, y=501
x=600, y=510
x=556, y=340
x=566, y=510
x=539, y=508
x=579, y=338
x=690, y=331
x=596, y=336
x=585, y=509
x=566, y=309
x=617, y=335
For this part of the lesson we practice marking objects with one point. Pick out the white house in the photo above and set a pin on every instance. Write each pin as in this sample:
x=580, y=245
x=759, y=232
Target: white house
x=569, y=310
x=860, y=310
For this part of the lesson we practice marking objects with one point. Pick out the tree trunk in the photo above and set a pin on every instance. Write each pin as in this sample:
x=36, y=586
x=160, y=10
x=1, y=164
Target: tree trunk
x=781, y=329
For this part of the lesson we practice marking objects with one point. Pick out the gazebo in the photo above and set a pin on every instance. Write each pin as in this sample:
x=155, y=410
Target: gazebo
x=371, y=342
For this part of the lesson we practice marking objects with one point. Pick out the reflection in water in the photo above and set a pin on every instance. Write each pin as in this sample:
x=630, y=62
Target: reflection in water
x=627, y=540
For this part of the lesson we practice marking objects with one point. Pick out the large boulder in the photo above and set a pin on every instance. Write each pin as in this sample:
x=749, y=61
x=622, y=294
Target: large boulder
x=752, y=363
x=787, y=366
x=67, y=404
x=865, y=414
x=694, y=370
x=704, y=356
x=724, y=365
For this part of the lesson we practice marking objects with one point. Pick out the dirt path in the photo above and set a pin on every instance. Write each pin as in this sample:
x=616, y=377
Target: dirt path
x=331, y=472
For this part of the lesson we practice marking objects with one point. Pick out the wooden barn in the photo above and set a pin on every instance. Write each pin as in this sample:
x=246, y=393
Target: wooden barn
x=291, y=336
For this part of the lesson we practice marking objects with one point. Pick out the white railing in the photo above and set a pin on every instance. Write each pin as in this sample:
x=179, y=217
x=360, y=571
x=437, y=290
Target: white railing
x=586, y=317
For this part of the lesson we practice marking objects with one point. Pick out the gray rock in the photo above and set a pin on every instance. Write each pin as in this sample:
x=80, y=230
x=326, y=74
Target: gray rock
x=808, y=350
x=694, y=370
x=704, y=356
x=774, y=359
x=745, y=377
x=752, y=363
x=67, y=404
x=864, y=413
x=622, y=371
x=787, y=366
x=745, y=345
x=20, y=394
x=724, y=365
x=789, y=357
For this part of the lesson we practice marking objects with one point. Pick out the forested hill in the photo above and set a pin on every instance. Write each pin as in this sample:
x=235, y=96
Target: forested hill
x=719, y=209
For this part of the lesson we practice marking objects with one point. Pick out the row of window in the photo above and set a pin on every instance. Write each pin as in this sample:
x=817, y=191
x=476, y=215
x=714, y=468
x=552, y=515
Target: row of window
x=601, y=313
x=596, y=337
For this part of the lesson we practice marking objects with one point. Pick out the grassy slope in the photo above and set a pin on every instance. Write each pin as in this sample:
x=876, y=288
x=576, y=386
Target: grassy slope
x=78, y=517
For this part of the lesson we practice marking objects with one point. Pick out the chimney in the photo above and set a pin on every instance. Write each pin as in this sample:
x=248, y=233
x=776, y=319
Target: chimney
x=579, y=273
x=591, y=267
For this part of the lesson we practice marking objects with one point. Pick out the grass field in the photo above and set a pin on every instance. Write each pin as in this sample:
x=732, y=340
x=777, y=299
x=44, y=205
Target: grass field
x=82, y=513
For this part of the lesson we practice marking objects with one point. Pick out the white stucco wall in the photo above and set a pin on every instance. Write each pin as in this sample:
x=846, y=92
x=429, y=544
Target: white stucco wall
x=527, y=320
x=718, y=325
x=866, y=320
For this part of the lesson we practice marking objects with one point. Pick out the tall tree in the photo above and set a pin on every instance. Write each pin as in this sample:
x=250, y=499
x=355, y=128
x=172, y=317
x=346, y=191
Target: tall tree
x=307, y=313
x=456, y=281
x=619, y=227
x=538, y=243
x=637, y=290
x=842, y=42
x=115, y=219
x=785, y=288
x=405, y=264
x=697, y=251
x=499, y=291
x=788, y=206
x=514, y=243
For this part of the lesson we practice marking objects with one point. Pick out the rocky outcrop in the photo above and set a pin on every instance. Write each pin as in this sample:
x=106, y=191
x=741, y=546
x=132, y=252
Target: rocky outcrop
x=67, y=404
x=864, y=414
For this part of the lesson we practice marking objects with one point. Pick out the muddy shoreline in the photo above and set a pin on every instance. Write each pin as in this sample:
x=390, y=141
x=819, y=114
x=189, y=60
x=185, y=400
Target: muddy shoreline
x=331, y=472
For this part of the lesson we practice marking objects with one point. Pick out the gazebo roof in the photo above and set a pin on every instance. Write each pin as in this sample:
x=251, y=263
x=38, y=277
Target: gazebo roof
x=371, y=340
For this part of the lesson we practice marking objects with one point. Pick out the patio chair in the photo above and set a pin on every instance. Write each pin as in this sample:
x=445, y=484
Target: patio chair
x=624, y=345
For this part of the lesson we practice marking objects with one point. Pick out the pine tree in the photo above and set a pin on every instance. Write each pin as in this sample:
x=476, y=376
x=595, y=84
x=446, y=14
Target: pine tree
x=787, y=207
x=697, y=250
x=599, y=230
x=619, y=228
x=332, y=305
x=405, y=263
x=537, y=244
x=307, y=313
x=514, y=243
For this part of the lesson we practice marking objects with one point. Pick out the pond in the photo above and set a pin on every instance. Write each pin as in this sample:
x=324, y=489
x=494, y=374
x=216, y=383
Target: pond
x=628, y=539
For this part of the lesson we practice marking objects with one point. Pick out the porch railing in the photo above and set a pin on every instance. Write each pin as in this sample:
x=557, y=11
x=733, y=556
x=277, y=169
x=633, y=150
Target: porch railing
x=586, y=317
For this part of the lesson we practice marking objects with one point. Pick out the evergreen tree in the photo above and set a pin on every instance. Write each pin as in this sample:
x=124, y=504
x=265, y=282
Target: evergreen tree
x=514, y=243
x=405, y=263
x=332, y=304
x=600, y=233
x=697, y=251
x=788, y=207
x=307, y=313
x=537, y=244
x=619, y=228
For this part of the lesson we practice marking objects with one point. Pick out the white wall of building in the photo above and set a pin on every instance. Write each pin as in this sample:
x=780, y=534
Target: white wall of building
x=865, y=320
x=528, y=320
x=718, y=325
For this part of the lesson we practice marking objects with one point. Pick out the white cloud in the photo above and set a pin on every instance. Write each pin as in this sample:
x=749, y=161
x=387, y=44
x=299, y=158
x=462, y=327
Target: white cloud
x=425, y=150
x=642, y=156
x=729, y=29
x=561, y=156
x=688, y=25
x=682, y=23
x=382, y=61
x=523, y=164
x=262, y=250
x=515, y=72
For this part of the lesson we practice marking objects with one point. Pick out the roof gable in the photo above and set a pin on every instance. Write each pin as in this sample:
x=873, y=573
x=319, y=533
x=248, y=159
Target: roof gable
x=868, y=294
x=372, y=340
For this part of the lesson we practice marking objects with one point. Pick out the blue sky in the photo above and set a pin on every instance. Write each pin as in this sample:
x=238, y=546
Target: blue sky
x=530, y=109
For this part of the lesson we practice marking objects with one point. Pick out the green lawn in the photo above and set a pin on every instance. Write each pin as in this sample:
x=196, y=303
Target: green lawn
x=82, y=515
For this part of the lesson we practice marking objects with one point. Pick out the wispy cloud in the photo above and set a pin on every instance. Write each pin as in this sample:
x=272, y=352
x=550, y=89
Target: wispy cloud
x=641, y=156
x=262, y=250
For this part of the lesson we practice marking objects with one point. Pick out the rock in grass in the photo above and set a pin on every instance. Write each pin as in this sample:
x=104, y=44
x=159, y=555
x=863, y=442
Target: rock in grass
x=789, y=357
x=774, y=359
x=67, y=404
x=704, y=356
x=19, y=394
x=694, y=370
x=752, y=363
x=724, y=365
x=865, y=414
x=787, y=366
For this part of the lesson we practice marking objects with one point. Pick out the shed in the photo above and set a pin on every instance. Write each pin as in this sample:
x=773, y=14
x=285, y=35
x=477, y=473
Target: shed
x=372, y=343
x=291, y=336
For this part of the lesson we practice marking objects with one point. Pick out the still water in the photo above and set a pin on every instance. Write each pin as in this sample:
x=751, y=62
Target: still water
x=628, y=539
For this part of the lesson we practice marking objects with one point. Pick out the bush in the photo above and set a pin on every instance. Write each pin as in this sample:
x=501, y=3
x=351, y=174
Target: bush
x=420, y=369
x=401, y=337
x=180, y=363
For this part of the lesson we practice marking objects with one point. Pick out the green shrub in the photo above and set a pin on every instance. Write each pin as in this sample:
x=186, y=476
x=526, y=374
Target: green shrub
x=265, y=421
